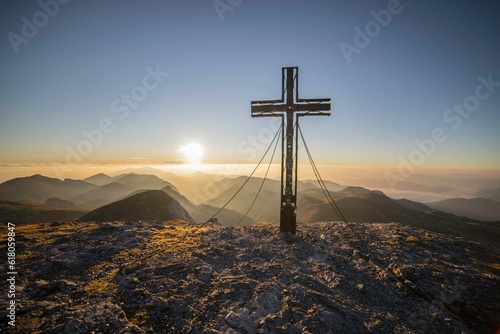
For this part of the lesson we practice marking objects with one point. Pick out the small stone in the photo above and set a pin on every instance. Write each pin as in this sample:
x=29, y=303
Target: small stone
x=411, y=239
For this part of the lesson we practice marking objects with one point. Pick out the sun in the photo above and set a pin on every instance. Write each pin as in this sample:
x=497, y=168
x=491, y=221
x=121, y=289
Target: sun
x=192, y=151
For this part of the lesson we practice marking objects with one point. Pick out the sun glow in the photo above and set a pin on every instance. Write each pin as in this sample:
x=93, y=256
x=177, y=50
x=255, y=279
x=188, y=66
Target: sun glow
x=193, y=152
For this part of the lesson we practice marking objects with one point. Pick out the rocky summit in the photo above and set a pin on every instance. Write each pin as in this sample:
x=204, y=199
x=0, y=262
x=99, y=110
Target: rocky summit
x=171, y=277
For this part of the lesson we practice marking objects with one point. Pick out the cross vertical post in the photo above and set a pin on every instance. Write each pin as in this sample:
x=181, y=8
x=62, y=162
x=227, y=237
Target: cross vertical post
x=287, y=109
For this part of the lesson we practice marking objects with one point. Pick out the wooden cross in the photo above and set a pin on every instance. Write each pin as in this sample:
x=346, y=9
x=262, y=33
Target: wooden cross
x=286, y=109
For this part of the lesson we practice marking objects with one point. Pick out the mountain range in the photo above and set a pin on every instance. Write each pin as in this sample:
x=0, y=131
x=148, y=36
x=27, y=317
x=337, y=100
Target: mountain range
x=107, y=189
x=38, y=198
x=39, y=188
x=375, y=207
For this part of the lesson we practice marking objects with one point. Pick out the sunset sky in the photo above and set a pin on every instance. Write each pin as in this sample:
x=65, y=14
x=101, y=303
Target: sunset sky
x=98, y=82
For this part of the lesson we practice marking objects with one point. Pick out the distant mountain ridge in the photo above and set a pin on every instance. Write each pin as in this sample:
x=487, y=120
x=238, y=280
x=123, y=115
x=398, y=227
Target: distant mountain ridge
x=40, y=188
x=105, y=190
x=476, y=208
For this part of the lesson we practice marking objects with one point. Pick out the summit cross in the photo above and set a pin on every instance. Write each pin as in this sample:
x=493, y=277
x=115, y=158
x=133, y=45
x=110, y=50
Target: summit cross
x=287, y=107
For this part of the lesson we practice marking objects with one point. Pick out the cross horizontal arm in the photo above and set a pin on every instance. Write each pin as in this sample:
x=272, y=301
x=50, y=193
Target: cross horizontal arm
x=268, y=108
x=313, y=107
x=302, y=109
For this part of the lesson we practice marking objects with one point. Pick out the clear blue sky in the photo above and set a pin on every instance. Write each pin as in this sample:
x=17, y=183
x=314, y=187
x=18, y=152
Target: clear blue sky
x=395, y=90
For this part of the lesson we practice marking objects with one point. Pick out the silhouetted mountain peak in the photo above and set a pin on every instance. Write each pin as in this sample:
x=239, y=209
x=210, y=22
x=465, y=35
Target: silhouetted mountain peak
x=151, y=205
x=360, y=191
x=99, y=179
